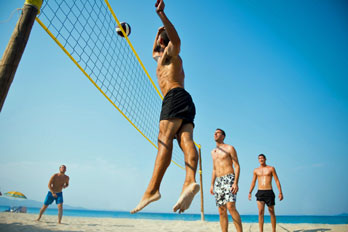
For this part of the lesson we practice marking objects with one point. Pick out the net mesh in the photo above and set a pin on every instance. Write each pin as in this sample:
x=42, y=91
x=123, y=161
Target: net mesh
x=86, y=30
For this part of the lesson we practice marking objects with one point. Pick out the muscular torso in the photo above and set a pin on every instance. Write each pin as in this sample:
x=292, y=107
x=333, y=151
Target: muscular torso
x=222, y=159
x=170, y=74
x=58, y=181
x=264, y=177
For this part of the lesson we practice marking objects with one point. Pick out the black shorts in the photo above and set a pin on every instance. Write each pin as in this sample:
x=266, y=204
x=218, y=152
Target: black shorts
x=266, y=196
x=178, y=104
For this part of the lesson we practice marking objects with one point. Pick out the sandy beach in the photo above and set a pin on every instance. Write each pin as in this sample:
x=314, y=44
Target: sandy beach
x=14, y=222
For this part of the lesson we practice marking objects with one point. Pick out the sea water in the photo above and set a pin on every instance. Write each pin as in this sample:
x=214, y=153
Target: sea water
x=312, y=219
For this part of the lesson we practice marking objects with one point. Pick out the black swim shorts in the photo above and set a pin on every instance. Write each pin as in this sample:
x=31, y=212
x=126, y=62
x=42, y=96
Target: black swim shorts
x=266, y=196
x=178, y=104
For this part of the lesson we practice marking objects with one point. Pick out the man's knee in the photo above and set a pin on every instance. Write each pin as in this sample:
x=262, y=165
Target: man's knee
x=186, y=138
x=222, y=211
x=186, y=142
x=231, y=206
x=165, y=139
x=271, y=210
x=261, y=212
x=166, y=136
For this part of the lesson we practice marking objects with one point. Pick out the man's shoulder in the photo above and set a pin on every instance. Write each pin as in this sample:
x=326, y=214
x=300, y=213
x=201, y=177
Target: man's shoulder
x=65, y=176
x=226, y=145
x=53, y=177
x=231, y=149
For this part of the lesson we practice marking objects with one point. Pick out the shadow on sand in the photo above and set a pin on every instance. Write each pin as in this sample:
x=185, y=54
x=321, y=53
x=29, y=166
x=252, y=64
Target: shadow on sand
x=314, y=230
x=20, y=227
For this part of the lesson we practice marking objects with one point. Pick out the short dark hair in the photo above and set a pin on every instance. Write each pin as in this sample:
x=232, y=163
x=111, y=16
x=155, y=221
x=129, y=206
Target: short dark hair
x=262, y=155
x=222, y=131
x=164, y=37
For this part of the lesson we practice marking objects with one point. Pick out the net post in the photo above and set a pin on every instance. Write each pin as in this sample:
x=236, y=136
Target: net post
x=16, y=45
x=201, y=181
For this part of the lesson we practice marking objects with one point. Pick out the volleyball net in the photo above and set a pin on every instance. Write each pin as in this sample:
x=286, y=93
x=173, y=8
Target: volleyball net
x=85, y=31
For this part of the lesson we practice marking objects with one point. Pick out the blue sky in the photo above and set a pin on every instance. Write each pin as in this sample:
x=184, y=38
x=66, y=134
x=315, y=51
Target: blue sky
x=272, y=74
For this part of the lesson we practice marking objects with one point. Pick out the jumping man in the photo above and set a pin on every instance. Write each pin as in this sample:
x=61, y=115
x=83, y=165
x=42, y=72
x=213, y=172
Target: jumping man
x=176, y=119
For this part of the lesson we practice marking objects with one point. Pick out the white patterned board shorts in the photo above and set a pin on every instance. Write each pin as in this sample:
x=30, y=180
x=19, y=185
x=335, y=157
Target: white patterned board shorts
x=222, y=190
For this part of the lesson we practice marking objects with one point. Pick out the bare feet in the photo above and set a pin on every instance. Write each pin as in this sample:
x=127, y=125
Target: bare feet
x=186, y=197
x=147, y=199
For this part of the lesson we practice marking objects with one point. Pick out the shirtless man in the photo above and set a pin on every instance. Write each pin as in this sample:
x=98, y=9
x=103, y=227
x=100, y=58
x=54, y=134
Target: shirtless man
x=57, y=182
x=265, y=194
x=224, y=181
x=176, y=119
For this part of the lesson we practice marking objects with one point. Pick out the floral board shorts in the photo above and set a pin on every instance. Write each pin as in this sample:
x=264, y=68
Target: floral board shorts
x=222, y=190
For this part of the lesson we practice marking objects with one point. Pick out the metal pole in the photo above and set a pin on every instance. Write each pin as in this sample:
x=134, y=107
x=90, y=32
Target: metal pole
x=16, y=46
x=201, y=182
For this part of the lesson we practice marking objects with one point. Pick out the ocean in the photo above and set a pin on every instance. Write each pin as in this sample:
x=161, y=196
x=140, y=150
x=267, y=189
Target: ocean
x=313, y=219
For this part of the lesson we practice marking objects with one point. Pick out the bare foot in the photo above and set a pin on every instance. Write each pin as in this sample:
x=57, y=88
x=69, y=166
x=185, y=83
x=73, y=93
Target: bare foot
x=186, y=197
x=145, y=201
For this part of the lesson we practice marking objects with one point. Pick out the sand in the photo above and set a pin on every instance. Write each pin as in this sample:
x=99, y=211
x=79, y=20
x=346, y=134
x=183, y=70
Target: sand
x=15, y=222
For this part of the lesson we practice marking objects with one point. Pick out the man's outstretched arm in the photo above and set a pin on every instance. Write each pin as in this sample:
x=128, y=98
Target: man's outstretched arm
x=174, y=44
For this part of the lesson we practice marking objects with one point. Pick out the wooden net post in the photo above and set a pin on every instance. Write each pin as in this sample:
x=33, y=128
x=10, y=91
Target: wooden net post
x=16, y=46
x=201, y=182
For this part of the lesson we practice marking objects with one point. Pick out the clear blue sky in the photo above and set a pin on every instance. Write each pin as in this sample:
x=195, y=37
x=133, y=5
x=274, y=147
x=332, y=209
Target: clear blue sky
x=272, y=74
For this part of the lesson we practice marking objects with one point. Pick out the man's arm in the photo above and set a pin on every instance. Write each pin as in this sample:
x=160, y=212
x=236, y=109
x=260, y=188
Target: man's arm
x=276, y=179
x=173, y=48
x=50, y=183
x=252, y=184
x=236, y=170
x=66, y=184
x=155, y=51
x=213, y=177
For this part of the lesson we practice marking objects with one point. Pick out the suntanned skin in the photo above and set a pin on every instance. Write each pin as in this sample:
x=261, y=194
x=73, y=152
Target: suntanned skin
x=263, y=175
x=224, y=159
x=56, y=184
x=170, y=74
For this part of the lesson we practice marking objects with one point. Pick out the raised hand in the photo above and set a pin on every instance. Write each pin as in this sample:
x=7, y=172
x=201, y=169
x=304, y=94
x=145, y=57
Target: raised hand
x=159, y=5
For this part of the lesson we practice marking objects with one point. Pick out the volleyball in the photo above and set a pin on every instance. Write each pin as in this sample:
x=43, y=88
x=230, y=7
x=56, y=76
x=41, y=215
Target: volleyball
x=126, y=28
